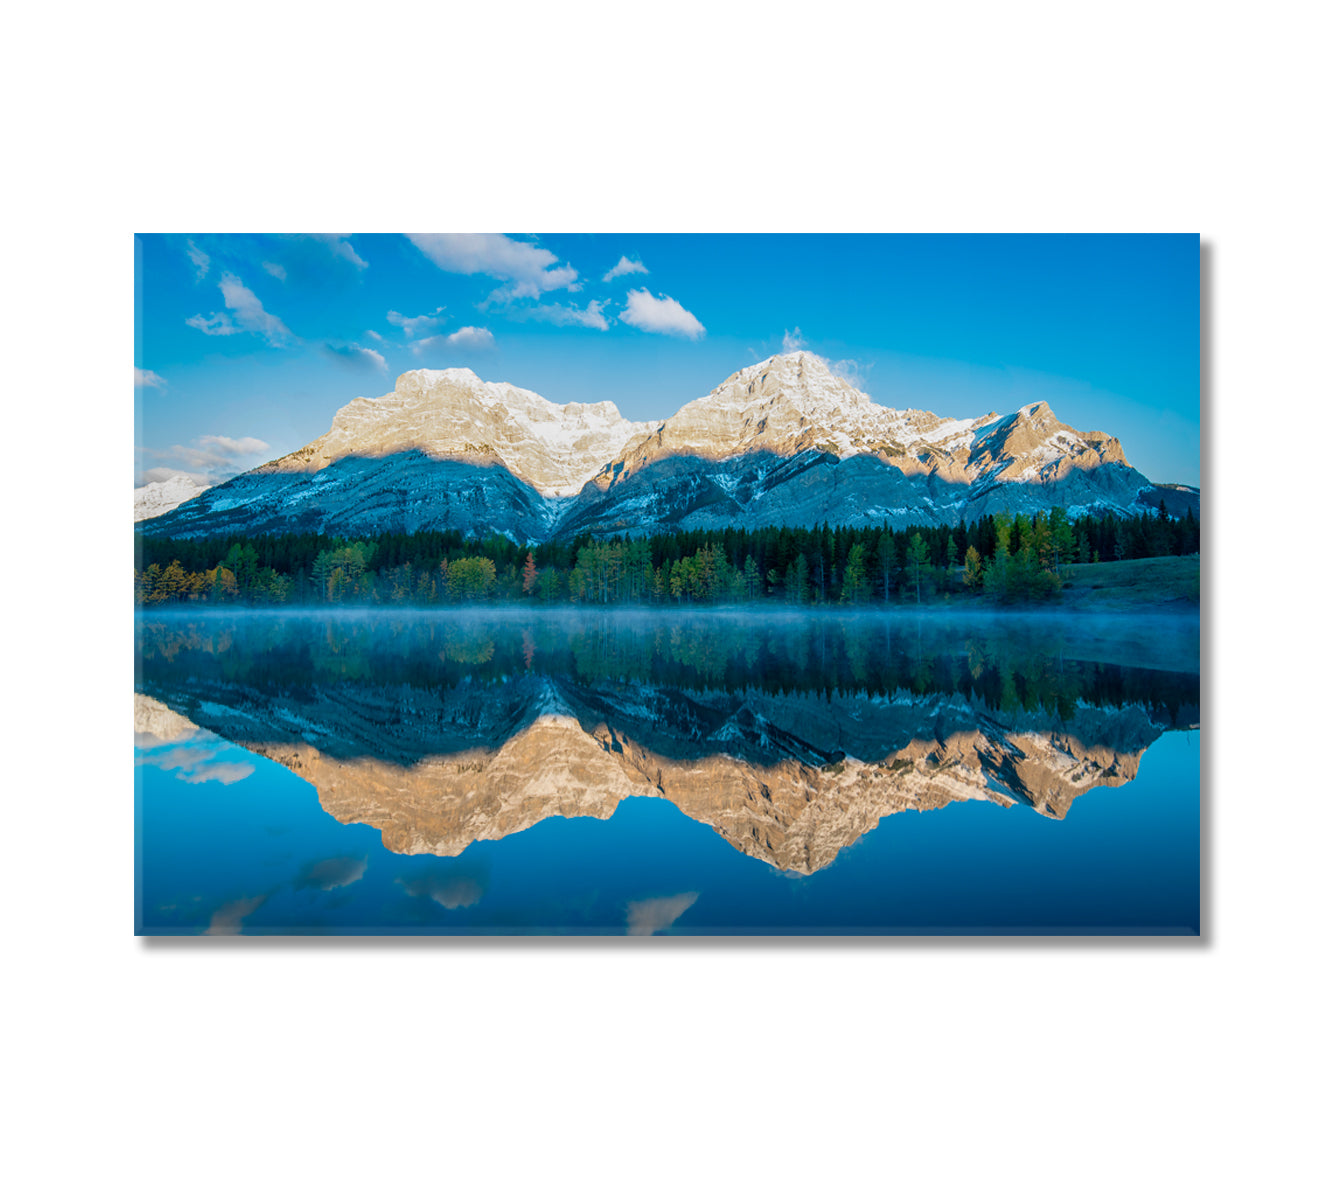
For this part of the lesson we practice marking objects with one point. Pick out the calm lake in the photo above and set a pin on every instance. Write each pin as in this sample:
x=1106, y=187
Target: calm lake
x=610, y=773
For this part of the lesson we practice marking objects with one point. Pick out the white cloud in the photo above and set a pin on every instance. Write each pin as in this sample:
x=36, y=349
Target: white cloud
x=351, y=355
x=427, y=344
x=470, y=337
x=660, y=314
x=217, y=466
x=793, y=340
x=850, y=369
x=529, y=269
x=209, y=460
x=646, y=917
x=144, y=378
x=199, y=258
x=162, y=474
x=370, y=333
x=215, y=324
x=246, y=315
x=625, y=267
x=277, y=270
x=234, y=447
x=566, y=314
x=339, y=247
x=250, y=314
x=515, y=291
x=415, y=327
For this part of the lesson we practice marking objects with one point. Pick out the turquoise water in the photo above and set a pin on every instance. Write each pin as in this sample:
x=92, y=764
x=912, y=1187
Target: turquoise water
x=725, y=773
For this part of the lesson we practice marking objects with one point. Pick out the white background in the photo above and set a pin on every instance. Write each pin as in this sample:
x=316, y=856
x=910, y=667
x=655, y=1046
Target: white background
x=918, y=1068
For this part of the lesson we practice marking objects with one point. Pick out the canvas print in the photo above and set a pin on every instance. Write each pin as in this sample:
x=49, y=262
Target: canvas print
x=667, y=584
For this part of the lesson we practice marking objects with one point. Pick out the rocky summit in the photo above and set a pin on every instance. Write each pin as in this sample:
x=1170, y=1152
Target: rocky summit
x=783, y=442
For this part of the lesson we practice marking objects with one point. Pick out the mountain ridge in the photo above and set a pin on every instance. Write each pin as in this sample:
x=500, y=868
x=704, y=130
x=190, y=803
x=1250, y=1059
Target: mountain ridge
x=783, y=441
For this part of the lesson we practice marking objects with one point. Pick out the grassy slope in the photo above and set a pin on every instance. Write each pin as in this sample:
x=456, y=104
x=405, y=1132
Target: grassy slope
x=1159, y=581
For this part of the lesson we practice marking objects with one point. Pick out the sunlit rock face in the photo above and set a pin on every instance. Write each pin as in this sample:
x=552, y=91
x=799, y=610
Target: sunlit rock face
x=793, y=403
x=785, y=441
x=455, y=415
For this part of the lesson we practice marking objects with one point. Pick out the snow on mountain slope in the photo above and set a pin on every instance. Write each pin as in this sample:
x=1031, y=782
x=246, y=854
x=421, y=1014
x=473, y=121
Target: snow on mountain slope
x=154, y=499
x=791, y=403
x=455, y=415
x=787, y=404
x=788, y=441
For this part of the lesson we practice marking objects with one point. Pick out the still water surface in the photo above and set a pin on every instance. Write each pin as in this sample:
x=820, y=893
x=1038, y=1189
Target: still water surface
x=599, y=773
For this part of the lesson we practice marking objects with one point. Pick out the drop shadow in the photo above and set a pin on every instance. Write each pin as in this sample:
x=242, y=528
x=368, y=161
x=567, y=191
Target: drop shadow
x=1208, y=590
x=726, y=943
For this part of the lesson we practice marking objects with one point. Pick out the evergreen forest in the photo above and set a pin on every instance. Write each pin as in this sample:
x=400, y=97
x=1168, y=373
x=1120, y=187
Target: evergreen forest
x=1003, y=559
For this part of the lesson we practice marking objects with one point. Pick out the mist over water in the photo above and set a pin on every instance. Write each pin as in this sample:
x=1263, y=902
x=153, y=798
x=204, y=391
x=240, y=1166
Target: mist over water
x=592, y=771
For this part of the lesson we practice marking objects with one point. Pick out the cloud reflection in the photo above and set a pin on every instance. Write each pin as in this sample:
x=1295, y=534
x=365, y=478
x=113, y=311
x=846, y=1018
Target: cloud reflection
x=169, y=742
x=646, y=917
x=227, y=919
x=449, y=889
x=221, y=772
x=329, y=873
x=194, y=762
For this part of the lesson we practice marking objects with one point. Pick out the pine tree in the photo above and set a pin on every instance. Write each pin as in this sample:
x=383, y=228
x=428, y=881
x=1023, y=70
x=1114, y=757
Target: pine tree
x=856, y=585
x=751, y=579
x=916, y=562
x=887, y=559
x=996, y=578
x=1062, y=537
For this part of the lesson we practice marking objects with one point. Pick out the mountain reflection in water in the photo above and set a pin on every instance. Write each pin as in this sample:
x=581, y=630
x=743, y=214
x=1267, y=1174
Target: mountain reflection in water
x=790, y=735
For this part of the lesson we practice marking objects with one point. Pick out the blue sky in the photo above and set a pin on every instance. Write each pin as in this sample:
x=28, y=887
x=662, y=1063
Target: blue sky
x=247, y=344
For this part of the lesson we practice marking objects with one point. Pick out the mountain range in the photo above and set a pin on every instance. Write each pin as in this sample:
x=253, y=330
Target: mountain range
x=785, y=441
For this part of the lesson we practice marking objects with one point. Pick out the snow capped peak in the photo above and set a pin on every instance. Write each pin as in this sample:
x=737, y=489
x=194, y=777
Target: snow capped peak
x=1038, y=411
x=791, y=368
x=786, y=405
x=154, y=499
x=426, y=376
x=792, y=403
x=603, y=410
x=454, y=414
x=799, y=359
